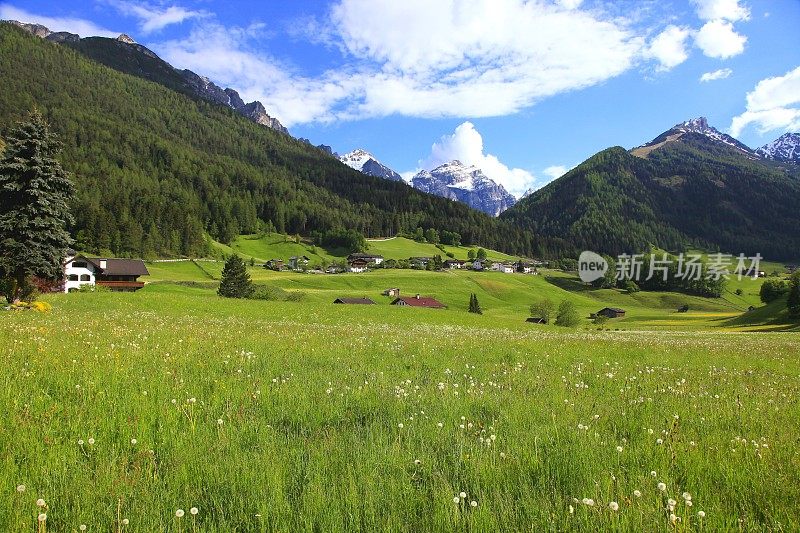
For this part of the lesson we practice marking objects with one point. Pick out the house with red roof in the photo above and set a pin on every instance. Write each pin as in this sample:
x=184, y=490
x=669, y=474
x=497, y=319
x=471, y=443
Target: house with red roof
x=419, y=301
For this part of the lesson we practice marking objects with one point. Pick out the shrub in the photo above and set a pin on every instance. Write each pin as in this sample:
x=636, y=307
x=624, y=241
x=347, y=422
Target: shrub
x=772, y=289
x=567, y=315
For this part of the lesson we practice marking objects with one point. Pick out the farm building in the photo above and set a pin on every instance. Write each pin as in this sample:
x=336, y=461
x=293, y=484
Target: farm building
x=419, y=262
x=478, y=265
x=419, y=301
x=356, y=301
x=454, y=263
x=392, y=292
x=611, y=312
x=524, y=267
x=536, y=320
x=115, y=274
x=371, y=259
x=357, y=265
x=296, y=262
x=274, y=264
x=507, y=268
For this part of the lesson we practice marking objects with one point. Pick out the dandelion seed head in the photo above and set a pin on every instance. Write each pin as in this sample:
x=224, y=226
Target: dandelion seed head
x=42, y=517
x=662, y=487
x=473, y=503
x=40, y=502
x=614, y=506
x=701, y=514
x=179, y=513
x=637, y=493
x=194, y=510
x=20, y=488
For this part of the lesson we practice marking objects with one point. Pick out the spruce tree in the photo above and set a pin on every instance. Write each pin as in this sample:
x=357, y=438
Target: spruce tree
x=236, y=281
x=34, y=211
x=474, y=306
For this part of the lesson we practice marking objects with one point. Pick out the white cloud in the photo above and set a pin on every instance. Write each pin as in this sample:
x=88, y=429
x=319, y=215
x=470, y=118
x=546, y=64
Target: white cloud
x=719, y=74
x=82, y=27
x=721, y=10
x=669, y=47
x=466, y=145
x=773, y=104
x=718, y=39
x=153, y=18
x=555, y=171
x=569, y=4
x=479, y=58
x=422, y=59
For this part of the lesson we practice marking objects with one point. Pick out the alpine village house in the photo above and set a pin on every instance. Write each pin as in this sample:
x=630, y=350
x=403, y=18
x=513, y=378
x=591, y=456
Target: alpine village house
x=114, y=274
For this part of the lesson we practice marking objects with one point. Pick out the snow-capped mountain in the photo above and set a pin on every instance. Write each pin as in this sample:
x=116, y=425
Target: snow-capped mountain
x=469, y=185
x=785, y=148
x=694, y=126
x=366, y=163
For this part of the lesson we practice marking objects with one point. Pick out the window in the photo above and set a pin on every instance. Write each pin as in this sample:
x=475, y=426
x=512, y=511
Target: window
x=86, y=277
x=78, y=264
x=72, y=277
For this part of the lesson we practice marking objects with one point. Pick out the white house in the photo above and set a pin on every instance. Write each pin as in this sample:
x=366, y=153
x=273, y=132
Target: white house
x=508, y=269
x=114, y=274
x=357, y=266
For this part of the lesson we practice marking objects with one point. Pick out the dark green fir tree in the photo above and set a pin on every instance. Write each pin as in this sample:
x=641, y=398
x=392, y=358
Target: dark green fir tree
x=236, y=281
x=474, y=306
x=34, y=212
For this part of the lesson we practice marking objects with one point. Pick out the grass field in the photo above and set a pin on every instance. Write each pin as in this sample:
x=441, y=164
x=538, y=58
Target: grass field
x=279, y=246
x=301, y=416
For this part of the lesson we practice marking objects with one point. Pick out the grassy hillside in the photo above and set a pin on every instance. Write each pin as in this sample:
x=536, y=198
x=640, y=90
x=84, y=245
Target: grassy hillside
x=504, y=297
x=300, y=416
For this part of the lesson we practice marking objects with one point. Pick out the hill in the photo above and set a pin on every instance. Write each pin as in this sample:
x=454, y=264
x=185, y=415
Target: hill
x=156, y=169
x=691, y=186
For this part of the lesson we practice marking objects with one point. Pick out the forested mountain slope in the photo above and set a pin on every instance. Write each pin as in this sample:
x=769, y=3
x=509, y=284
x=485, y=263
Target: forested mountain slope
x=692, y=190
x=155, y=168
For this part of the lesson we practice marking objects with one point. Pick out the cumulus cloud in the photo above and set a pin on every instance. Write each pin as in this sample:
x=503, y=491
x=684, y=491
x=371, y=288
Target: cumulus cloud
x=153, y=18
x=82, y=27
x=721, y=10
x=466, y=145
x=718, y=39
x=422, y=59
x=669, y=47
x=555, y=171
x=719, y=74
x=773, y=104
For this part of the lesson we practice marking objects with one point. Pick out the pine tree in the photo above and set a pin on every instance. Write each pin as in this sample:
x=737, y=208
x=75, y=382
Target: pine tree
x=236, y=281
x=34, y=212
x=474, y=306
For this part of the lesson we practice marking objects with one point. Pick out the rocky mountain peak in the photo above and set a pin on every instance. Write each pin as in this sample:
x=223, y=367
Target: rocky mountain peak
x=366, y=163
x=785, y=148
x=125, y=38
x=467, y=184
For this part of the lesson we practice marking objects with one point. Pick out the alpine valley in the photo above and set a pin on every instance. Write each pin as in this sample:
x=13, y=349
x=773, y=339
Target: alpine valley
x=164, y=157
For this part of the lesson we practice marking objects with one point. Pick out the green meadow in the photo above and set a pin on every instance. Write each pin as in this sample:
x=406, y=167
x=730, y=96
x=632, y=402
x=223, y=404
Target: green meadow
x=123, y=408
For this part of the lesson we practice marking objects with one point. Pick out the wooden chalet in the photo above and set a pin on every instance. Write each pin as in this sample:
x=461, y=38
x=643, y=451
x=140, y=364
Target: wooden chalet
x=419, y=301
x=114, y=274
x=354, y=301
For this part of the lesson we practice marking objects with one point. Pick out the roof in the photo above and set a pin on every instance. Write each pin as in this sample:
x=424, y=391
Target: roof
x=118, y=267
x=615, y=309
x=421, y=301
x=353, y=301
x=364, y=256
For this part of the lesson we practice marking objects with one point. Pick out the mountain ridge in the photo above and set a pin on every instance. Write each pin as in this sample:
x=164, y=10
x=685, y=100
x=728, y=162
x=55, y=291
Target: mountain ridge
x=116, y=53
x=466, y=184
x=692, y=187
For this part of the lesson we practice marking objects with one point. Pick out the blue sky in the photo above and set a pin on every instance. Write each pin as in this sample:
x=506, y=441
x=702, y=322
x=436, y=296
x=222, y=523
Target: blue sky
x=522, y=89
